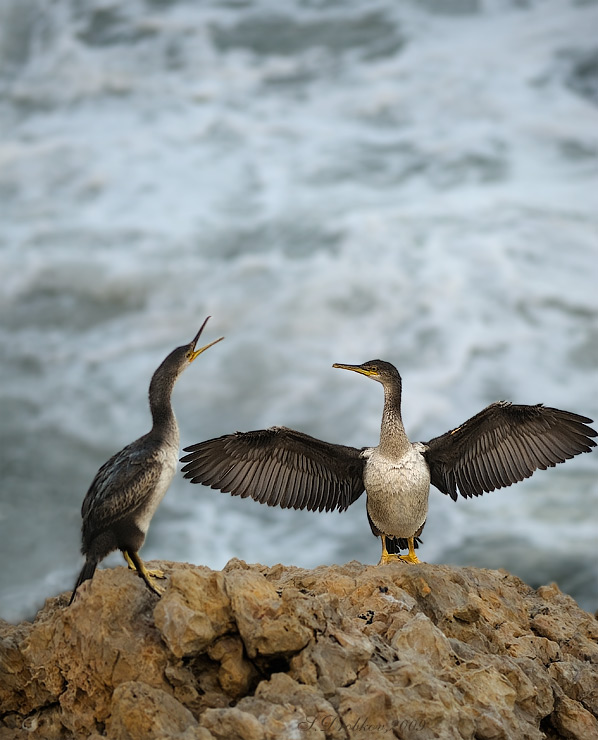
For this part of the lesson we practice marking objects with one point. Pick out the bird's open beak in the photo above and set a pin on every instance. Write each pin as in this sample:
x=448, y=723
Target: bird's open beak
x=356, y=369
x=196, y=352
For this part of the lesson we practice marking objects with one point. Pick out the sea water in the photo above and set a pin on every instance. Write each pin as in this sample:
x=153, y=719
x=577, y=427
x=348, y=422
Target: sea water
x=331, y=182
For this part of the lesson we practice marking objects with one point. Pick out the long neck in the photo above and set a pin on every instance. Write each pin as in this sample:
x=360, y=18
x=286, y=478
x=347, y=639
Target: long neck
x=393, y=440
x=165, y=425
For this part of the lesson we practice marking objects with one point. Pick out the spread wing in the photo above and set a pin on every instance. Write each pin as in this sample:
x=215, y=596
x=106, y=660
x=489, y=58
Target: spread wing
x=122, y=486
x=279, y=467
x=504, y=444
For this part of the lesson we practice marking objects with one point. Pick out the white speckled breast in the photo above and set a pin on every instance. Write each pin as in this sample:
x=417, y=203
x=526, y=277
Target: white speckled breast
x=169, y=458
x=397, y=491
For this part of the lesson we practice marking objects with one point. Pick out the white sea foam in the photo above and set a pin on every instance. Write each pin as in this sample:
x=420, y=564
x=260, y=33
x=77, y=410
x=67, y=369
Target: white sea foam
x=415, y=182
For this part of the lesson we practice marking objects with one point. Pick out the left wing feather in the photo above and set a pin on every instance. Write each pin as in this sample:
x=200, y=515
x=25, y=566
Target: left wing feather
x=504, y=444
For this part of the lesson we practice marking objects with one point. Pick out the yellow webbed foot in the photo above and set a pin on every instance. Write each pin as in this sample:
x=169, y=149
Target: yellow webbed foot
x=153, y=573
x=388, y=557
x=156, y=573
x=136, y=563
x=144, y=573
x=411, y=557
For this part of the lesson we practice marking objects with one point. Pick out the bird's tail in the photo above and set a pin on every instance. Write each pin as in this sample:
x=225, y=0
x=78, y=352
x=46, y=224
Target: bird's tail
x=87, y=572
x=396, y=544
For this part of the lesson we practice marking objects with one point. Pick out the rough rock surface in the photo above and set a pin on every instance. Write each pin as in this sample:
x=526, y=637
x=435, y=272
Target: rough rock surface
x=257, y=653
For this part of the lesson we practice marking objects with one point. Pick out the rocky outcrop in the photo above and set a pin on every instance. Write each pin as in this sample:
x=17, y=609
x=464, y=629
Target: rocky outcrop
x=257, y=653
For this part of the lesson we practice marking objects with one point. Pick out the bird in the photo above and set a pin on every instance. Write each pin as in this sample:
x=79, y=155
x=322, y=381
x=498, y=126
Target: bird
x=129, y=487
x=501, y=445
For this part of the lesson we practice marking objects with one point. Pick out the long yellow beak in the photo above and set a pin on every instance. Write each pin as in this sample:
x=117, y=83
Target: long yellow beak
x=355, y=369
x=196, y=352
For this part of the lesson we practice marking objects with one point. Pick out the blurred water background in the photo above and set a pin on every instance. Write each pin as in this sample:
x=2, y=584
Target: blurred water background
x=333, y=181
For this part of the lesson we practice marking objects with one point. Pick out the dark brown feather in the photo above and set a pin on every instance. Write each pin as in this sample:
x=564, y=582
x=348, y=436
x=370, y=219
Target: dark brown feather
x=279, y=467
x=504, y=444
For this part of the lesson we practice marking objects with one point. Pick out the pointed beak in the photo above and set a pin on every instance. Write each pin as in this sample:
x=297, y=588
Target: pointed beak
x=196, y=352
x=355, y=369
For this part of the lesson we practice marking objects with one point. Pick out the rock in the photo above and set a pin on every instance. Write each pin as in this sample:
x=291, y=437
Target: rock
x=337, y=652
x=267, y=621
x=141, y=712
x=194, y=611
x=232, y=724
x=573, y=721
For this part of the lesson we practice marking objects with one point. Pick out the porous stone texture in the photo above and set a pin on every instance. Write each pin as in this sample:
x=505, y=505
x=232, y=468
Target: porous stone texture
x=338, y=652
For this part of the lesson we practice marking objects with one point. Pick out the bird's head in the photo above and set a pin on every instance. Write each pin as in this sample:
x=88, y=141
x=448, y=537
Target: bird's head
x=378, y=370
x=191, y=351
x=183, y=356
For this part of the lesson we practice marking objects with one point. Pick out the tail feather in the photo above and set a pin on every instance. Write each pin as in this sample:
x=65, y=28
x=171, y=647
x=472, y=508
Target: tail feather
x=396, y=544
x=86, y=574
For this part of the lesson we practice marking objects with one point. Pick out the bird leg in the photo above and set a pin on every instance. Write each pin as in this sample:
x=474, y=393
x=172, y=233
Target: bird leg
x=386, y=557
x=136, y=563
x=411, y=557
x=154, y=573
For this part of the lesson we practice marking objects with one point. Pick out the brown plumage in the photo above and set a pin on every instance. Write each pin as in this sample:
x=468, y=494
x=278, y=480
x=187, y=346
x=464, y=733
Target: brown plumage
x=501, y=445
